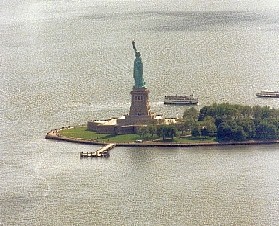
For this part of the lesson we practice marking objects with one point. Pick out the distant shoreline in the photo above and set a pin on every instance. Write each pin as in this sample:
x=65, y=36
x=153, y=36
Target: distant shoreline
x=54, y=135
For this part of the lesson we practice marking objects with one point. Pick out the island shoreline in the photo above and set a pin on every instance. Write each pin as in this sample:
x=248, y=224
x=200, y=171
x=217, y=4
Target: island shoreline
x=54, y=135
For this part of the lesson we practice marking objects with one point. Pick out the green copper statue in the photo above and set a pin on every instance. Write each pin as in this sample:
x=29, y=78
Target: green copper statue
x=138, y=69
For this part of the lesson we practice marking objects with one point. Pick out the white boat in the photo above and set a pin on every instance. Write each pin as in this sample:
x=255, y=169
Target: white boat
x=265, y=93
x=183, y=100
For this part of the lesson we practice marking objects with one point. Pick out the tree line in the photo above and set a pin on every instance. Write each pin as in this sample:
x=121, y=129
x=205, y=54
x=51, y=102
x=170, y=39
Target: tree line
x=226, y=122
x=234, y=122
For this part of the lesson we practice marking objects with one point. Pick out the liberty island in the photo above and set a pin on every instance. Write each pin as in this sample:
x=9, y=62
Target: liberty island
x=222, y=124
x=66, y=63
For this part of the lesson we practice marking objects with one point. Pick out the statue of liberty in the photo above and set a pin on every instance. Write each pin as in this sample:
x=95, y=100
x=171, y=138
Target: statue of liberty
x=138, y=69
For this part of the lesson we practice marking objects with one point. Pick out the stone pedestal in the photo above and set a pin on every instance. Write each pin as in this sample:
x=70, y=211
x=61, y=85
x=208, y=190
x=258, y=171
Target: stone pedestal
x=140, y=102
x=140, y=112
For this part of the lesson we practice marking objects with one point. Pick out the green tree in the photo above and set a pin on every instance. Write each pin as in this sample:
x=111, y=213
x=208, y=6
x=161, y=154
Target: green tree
x=180, y=127
x=262, y=112
x=160, y=132
x=172, y=131
x=152, y=130
x=239, y=134
x=246, y=112
x=240, y=122
x=226, y=111
x=248, y=127
x=266, y=131
x=143, y=131
x=189, y=124
x=166, y=131
x=196, y=132
x=257, y=112
x=224, y=132
x=208, y=126
x=191, y=113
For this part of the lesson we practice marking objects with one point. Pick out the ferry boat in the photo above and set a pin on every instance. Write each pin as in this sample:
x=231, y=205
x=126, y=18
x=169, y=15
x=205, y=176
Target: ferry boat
x=183, y=100
x=272, y=94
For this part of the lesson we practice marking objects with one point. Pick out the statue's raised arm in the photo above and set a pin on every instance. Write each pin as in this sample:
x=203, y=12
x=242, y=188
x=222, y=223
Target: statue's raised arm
x=134, y=45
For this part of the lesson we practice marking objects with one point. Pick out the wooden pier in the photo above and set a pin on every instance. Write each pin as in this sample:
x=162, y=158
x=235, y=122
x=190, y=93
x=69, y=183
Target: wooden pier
x=102, y=152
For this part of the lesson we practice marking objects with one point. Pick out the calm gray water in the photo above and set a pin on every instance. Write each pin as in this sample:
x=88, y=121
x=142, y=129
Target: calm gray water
x=65, y=62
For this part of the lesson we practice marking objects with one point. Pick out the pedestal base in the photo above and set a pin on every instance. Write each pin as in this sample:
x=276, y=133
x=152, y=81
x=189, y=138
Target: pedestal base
x=140, y=102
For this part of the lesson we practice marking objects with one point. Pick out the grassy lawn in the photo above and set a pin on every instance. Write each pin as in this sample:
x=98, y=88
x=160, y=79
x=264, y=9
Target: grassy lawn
x=83, y=133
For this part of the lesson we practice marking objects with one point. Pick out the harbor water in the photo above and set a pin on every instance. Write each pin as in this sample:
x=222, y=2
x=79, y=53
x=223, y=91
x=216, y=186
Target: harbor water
x=66, y=62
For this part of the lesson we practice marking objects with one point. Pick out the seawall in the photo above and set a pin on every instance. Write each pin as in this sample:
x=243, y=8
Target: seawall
x=54, y=135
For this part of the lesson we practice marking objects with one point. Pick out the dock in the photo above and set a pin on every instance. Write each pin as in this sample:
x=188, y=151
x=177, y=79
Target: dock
x=102, y=152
